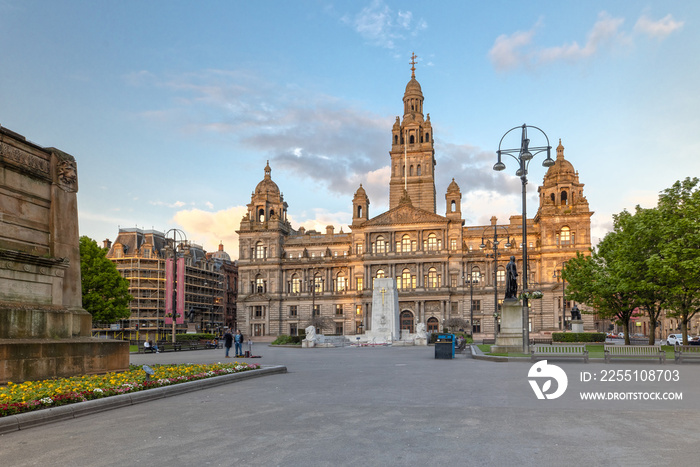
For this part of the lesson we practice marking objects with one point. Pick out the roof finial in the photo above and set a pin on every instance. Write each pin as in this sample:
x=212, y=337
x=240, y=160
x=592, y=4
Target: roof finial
x=413, y=64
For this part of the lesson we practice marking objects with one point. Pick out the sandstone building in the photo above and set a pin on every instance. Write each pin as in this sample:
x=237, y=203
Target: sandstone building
x=210, y=285
x=443, y=269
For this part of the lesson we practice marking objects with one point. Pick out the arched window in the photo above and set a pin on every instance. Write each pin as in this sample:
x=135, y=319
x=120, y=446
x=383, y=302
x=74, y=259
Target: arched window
x=396, y=139
x=418, y=170
x=407, y=321
x=564, y=198
x=565, y=236
x=410, y=171
x=259, y=284
x=259, y=250
x=359, y=211
x=261, y=215
x=501, y=275
x=432, y=325
x=412, y=139
x=381, y=274
x=296, y=284
x=476, y=275
x=272, y=213
x=432, y=278
x=341, y=283
x=381, y=245
x=406, y=281
x=405, y=243
x=432, y=242
x=552, y=197
x=318, y=283
x=427, y=136
x=453, y=206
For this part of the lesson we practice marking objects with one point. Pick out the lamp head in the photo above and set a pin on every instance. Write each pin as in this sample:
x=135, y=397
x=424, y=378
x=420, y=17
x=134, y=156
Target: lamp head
x=498, y=166
x=548, y=162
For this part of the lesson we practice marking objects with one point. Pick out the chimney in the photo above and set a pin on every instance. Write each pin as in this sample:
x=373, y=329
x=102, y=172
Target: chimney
x=107, y=244
x=494, y=220
x=329, y=230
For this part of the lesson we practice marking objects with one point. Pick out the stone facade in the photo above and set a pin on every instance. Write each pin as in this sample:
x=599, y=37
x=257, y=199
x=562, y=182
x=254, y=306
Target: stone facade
x=442, y=268
x=44, y=331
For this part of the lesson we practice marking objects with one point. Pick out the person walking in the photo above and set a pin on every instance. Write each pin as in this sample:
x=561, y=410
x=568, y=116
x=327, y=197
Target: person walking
x=228, y=341
x=239, y=343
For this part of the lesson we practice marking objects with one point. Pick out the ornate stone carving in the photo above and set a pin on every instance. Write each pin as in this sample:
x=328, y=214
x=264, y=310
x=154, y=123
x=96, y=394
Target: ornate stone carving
x=25, y=159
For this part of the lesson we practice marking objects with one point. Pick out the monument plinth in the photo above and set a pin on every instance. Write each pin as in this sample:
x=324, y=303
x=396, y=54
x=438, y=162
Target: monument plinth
x=385, y=312
x=44, y=330
x=510, y=338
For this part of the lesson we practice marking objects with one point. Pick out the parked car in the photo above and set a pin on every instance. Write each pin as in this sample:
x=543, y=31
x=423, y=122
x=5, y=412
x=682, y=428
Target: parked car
x=621, y=335
x=695, y=340
x=611, y=335
x=674, y=339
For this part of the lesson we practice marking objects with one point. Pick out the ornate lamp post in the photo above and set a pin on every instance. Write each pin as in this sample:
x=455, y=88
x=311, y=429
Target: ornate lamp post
x=557, y=274
x=177, y=238
x=523, y=155
x=495, y=270
x=472, y=281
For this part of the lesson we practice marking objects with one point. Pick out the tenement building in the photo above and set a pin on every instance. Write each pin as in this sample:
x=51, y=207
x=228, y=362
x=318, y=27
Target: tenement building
x=447, y=274
x=210, y=281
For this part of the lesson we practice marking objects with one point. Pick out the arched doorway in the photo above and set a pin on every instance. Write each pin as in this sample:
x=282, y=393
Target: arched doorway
x=407, y=321
x=433, y=325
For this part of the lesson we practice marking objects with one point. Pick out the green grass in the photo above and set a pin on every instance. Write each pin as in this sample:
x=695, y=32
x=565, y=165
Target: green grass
x=133, y=348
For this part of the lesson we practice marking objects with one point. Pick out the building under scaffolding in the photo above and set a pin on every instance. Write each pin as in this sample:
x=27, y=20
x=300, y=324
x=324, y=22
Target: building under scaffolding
x=140, y=257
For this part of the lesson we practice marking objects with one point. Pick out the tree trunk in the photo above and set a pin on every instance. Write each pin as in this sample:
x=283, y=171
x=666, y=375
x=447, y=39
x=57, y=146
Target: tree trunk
x=652, y=332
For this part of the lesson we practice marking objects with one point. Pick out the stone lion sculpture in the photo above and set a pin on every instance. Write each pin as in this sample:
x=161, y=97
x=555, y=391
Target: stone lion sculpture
x=311, y=333
x=420, y=330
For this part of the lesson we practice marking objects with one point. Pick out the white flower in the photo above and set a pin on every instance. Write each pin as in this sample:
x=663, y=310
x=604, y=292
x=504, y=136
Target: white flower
x=46, y=400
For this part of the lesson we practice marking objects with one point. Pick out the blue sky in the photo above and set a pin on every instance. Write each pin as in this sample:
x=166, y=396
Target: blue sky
x=172, y=109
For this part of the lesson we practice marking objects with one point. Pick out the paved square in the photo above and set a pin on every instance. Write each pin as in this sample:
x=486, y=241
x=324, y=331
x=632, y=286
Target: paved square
x=372, y=406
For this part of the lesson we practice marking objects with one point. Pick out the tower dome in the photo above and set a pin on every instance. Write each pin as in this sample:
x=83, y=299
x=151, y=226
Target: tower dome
x=267, y=186
x=561, y=166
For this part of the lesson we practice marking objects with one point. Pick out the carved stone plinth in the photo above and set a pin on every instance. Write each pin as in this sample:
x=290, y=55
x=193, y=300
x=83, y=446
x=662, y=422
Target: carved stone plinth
x=577, y=325
x=510, y=339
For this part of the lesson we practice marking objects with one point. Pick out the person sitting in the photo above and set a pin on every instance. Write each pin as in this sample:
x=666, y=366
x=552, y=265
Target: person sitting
x=148, y=347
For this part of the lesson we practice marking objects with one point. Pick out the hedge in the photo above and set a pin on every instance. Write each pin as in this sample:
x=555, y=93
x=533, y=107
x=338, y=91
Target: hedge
x=578, y=337
x=194, y=337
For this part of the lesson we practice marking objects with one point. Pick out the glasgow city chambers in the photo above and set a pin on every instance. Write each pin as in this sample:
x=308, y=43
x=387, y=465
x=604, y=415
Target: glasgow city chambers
x=447, y=274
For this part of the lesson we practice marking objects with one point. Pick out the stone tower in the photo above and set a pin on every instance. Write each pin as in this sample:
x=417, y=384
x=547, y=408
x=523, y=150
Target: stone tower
x=412, y=151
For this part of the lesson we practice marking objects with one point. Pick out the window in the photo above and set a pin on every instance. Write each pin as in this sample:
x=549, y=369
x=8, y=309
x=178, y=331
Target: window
x=453, y=244
x=296, y=284
x=293, y=329
x=501, y=276
x=432, y=325
x=359, y=211
x=406, y=281
x=500, y=306
x=258, y=311
x=359, y=283
x=339, y=310
x=318, y=284
x=358, y=310
x=381, y=274
x=258, y=330
x=261, y=215
x=476, y=326
x=432, y=278
x=432, y=242
x=292, y=310
x=564, y=198
x=453, y=280
x=380, y=245
x=259, y=250
x=476, y=305
x=338, y=329
x=341, y=284
x=317, y=310
x=453, y=206
x=405, y=243
x=358, y=248
x=418, y=170
x=476, y=275
x=259, y=284
x=410, y=171
x=565, y=236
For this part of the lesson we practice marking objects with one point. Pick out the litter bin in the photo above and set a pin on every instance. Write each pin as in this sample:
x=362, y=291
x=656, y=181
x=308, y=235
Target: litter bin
x=445, y=346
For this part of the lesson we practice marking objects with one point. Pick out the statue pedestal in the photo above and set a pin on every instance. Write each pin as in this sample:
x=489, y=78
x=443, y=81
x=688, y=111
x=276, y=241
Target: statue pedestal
x=510, y=339
x=307, y=344
x=421, y=341
x=577, y=325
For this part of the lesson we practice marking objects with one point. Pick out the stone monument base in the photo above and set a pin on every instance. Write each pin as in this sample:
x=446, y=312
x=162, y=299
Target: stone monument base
x=35, y=359
x=307, y=344
x=577, y=325
x=510, y=339
x=421, y=341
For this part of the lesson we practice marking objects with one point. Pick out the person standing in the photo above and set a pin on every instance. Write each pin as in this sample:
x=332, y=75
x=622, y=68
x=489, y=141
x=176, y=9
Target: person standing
x=228, y=341
x=239, y=343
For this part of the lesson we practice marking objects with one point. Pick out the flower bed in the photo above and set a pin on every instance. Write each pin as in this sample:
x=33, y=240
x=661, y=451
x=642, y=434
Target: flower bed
x=35, y=395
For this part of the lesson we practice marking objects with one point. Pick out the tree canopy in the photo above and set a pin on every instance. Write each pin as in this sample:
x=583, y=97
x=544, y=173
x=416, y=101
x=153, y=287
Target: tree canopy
x=105, y=292
x=650, y=262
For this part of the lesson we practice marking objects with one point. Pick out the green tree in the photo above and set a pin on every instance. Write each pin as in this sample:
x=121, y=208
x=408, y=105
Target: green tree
x=105, y=292
x=678, y=262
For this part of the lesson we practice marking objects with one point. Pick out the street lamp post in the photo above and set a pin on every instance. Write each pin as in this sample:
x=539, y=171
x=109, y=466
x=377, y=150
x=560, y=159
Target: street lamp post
x=472, y=281
x=523, y=155
x=557, y=274
x=178, y=238
x=495, y=270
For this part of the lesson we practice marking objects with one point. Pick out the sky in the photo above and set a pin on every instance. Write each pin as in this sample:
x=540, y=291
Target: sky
x=173, y=108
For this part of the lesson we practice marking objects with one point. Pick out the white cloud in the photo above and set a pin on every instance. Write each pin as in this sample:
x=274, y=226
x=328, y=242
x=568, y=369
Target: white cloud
x=658, y=29
x=518, y=50
x=176, y=204
x=380, y=26
x=209, y=228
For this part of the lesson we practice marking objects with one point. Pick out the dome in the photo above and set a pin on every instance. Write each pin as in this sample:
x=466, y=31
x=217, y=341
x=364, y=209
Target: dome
x=413, y=86
x=267, y=186
x=453, y=186
x=561, y=166
x=360, y=191
x=221, y=254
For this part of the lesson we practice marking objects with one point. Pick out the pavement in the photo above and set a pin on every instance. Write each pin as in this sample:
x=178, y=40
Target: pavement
x=383, y=405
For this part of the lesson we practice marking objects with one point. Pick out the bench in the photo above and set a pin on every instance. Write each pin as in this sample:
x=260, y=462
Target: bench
x=559, y=351
x=686, y=351
x=634, y=351
x=166, y=346
x=540, y=340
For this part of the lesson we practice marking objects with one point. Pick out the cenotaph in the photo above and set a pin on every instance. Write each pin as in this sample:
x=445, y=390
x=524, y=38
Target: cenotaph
x=385, y=312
